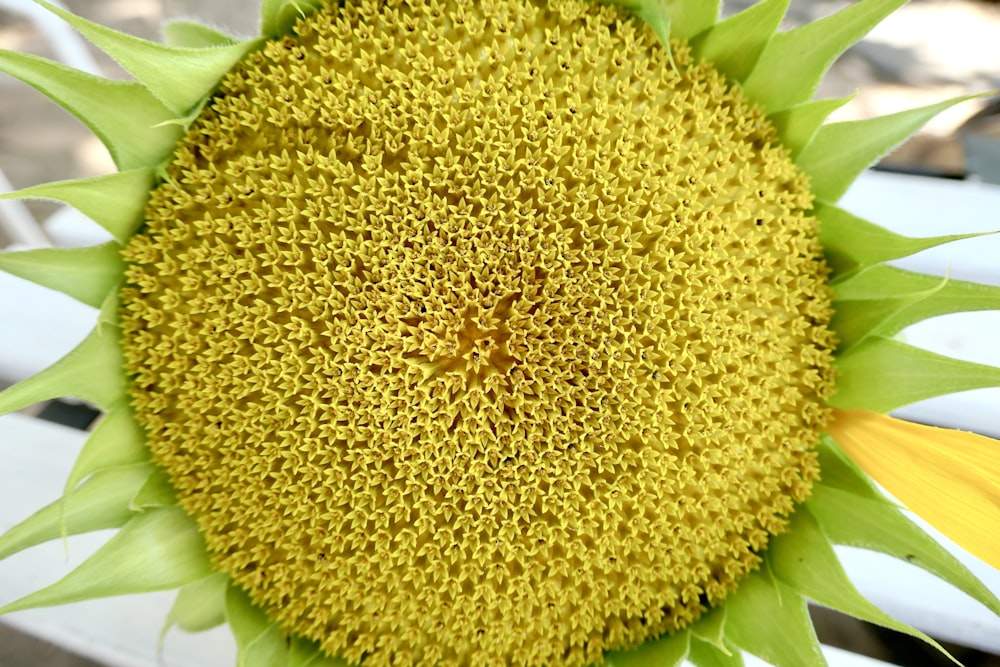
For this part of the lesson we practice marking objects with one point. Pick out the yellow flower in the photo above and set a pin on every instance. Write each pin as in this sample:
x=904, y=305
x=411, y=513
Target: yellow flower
x=508, y=333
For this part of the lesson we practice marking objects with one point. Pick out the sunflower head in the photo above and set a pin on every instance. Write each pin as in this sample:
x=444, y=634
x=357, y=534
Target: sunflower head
x=483, y=334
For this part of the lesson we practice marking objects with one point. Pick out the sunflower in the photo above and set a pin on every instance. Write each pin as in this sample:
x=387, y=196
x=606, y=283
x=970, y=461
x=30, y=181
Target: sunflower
x=512, y=332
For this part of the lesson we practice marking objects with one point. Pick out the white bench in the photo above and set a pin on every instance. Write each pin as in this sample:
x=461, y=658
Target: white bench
x=37, y=327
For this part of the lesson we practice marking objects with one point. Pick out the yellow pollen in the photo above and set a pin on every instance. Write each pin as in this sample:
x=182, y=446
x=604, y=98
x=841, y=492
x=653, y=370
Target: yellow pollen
x=475, y=333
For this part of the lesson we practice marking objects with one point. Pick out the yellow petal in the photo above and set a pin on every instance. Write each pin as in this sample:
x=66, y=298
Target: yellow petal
x=950, y=478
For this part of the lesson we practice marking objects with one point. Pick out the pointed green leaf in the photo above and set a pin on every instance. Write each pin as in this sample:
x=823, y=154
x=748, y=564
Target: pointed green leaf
x=881, y=374
x=259, y=642
x=200, y=605
x=321, y=659
x=156, y=550
x=179, y=77
x=301, y=653
x=660, y=24
x=116, y=202
x=657, y=15
x=687, y=18
x=867, y=300
x=118, y=440
x=794, y=62
x=268, y=650
x=667, y=651
x=704, y=654
x=659, y=20
x=308, y=654
x=86, y=274
x=111, y=306
x=852, y=244
x=883, y=300
x=711, y=628
x=278, y=16
x=246, y=620
x=841, y=151
x=91, y=371
x=156, y=492
x=194, y=35
x=787, y=638
x=102, y=502
x=798, y=125
x=805, y=560
x=734, y=45
x=131, y=122
x=855, y=321
x=880, y=526
x=951, y=296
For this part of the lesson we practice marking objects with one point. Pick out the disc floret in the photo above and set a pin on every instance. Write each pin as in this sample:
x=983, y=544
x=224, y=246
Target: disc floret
x=479, y=335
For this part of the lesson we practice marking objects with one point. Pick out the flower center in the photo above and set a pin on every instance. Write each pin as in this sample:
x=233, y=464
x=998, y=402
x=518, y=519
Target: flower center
x=480, y=333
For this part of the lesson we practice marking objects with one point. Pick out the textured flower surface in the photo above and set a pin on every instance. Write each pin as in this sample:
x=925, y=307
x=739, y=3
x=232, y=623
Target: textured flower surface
x=508, y=333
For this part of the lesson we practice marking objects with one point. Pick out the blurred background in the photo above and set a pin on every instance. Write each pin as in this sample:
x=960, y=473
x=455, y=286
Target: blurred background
x=928, y=51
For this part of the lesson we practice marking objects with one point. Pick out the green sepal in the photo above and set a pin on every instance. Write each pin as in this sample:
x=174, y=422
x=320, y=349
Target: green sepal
x=839, y=471
x=883, y=300
x=199, y=606
x=156, y=492
x=303, y=653
x=786, y=637
x=704, y=654
x=86, y=274
x=686, y=18
x=656, y=14
x=881, y=374
x=852, y=244
x=862, y=305
x=323, y=660
x=155, y=550
x=259, y=643
x=278, y=16
x=793, y=63
x=91, y=371
x=180, y=77
x=117, y=441
x=659, y=22
x=116, y=202
x=711, y=628
x=841, y=151
x=101, y=502
x=734, y=45
x=798, y=125
x=110, y=309
x=854, y=521
x=123, y=114
x=194, y=35
x=667, y=651
x=804, y=559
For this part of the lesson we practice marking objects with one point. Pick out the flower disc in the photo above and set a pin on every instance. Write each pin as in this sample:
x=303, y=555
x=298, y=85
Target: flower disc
x=480, y=334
